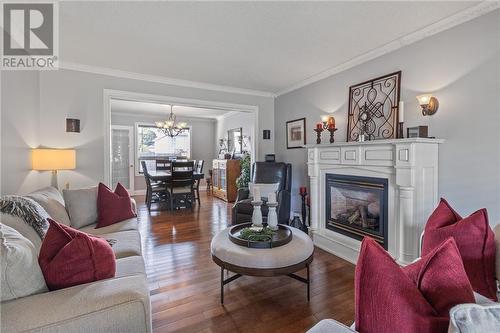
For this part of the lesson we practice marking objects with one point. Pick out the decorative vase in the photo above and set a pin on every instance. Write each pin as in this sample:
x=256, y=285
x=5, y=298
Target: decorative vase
x=257, y=214
x=297, y=223
x=272, y=217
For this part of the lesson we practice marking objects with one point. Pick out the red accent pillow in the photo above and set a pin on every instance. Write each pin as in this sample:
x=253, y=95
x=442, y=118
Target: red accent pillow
x=475, y=241
x=113, y=207
x=416, y=298
x=69, y=257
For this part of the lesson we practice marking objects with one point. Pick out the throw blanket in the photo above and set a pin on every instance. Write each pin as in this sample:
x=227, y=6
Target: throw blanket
x=31, y=213
x=26, y=209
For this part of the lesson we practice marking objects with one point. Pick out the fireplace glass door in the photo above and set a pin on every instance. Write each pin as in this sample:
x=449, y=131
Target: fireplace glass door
x=357, y=206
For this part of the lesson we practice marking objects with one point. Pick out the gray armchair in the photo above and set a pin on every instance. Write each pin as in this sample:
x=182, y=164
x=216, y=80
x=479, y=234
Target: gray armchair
x=266, y=172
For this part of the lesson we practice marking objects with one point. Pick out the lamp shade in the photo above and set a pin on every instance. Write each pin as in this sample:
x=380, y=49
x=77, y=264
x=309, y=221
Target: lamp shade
x=53, y=159
x=424, y=99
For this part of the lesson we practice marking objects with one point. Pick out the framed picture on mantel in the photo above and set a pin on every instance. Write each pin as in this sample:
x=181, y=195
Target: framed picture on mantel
x=295, y=133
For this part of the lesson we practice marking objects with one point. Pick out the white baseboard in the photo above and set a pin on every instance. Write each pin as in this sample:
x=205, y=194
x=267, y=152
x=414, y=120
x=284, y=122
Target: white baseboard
x=345, y=251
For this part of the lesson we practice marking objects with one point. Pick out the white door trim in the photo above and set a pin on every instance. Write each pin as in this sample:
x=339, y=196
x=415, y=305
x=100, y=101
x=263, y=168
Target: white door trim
x=109, y=94
x=131, y=154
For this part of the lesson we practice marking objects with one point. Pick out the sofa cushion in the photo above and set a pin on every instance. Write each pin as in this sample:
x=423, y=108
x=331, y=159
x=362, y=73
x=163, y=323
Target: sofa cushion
x=434, y=270
x=133, y=265
x=469, y=318
x=69, y=257
x=130, y=224
x=20, y=273
x=113, y=207
x=82, y=206
x=115, y=305
x=391, y=299
x=475, y=241
x=330, y=326
x=52, y=201
x=128, y=243
x=23, y=228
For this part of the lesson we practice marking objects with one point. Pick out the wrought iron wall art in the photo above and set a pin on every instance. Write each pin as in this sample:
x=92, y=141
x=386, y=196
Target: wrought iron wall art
x=373, y=108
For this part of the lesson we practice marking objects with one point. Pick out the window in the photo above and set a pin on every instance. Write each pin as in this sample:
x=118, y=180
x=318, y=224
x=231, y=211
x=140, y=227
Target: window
x=152, y=144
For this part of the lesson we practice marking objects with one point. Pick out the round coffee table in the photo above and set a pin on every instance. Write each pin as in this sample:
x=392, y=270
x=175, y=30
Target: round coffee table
x=283, y=260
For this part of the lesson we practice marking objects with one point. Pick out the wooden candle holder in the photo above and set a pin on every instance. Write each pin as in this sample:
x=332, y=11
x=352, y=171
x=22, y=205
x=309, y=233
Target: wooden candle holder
x=318, y=133
x=332, y=131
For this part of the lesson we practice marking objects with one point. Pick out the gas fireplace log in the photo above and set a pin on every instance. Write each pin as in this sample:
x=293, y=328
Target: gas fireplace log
x=363, y=211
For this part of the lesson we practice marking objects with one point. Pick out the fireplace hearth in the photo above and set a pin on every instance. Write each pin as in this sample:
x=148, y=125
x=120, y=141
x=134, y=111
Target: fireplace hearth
x=357, y=206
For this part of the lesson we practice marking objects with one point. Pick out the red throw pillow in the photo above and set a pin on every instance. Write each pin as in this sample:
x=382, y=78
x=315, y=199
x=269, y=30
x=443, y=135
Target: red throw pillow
x=113, y=207
x=69, y=257
x=416, y=298
x=475, y=241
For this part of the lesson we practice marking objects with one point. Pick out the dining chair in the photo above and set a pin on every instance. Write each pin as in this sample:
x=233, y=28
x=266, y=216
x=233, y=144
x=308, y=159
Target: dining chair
x=181, y=186
x=155, y=192
x=199, y=169
x=163, y=165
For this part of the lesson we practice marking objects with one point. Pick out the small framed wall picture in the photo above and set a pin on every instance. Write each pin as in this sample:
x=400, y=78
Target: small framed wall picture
x=417, y=132
x=295, y=133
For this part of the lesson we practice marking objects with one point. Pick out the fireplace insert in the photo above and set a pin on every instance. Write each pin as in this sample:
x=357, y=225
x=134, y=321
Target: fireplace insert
x=357, y=206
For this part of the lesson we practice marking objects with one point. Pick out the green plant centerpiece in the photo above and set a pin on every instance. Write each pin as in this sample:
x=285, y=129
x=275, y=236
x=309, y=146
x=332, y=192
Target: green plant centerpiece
x=244, y=177
x=257, y=234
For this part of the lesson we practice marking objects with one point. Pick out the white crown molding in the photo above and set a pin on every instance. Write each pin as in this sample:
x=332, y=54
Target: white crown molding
x=154, y=115
x=161, y=79
x=449, y=22
x=228, y=114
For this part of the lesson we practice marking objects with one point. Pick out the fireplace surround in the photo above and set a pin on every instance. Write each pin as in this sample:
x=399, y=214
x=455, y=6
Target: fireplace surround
x=410, y=169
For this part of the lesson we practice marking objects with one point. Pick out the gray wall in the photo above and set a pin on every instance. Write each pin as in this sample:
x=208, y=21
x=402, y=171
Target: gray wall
x=245, y=120
x=461, y=67
x=65, y=93
x=202, y=137
x=19, y=130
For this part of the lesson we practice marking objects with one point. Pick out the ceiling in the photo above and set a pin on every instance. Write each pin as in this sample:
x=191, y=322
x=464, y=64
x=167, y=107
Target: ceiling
x=153, y=109
x=264, y=46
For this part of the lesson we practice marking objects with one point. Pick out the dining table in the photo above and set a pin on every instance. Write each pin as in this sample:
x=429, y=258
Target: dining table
x=166, y=176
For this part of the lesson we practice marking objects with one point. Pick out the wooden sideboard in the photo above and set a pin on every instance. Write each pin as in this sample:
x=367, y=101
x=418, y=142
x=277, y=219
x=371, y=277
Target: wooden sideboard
x=224, y=176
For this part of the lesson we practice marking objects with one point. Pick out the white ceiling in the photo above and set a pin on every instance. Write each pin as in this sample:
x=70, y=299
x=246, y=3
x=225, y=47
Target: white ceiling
x=154, y=109
x=265, y=46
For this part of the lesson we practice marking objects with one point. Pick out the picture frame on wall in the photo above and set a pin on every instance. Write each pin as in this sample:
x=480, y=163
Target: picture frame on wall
x=296, y=133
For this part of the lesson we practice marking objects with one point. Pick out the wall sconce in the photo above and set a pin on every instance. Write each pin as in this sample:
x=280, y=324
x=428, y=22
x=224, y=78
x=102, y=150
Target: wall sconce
x=428, y=103
x=72, y=125
x=328, y=121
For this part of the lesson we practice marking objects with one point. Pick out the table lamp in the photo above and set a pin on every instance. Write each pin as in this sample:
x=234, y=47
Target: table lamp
x=53, y=160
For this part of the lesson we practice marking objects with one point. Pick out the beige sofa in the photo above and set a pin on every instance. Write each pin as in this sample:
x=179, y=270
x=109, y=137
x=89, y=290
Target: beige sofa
x=120, y=304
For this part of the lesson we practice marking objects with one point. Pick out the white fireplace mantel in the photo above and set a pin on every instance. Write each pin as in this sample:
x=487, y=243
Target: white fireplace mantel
x=411, y=168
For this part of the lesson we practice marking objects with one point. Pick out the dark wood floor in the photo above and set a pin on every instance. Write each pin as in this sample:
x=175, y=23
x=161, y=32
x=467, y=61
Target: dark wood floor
x=184, y=282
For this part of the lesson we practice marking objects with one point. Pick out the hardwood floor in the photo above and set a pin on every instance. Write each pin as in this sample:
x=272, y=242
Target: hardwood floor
x=184, y=282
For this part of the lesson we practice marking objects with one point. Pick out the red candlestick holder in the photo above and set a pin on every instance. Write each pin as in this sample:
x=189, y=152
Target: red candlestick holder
x=332, y=131
x=318, y=133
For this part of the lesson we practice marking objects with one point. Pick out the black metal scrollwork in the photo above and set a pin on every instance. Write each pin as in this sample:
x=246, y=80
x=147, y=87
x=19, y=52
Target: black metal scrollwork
x=373, y=108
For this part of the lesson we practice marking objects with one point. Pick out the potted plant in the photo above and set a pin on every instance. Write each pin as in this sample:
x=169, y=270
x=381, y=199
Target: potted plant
x=244, y=178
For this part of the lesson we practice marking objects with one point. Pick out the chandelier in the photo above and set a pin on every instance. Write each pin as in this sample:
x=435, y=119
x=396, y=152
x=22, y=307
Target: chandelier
x=170, y=126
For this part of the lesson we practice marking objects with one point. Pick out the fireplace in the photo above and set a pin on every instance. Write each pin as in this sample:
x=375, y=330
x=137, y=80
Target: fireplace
x=357, y=206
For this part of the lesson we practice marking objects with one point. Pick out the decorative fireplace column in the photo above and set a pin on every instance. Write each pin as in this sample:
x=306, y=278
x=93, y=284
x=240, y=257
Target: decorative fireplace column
x=411, y=169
